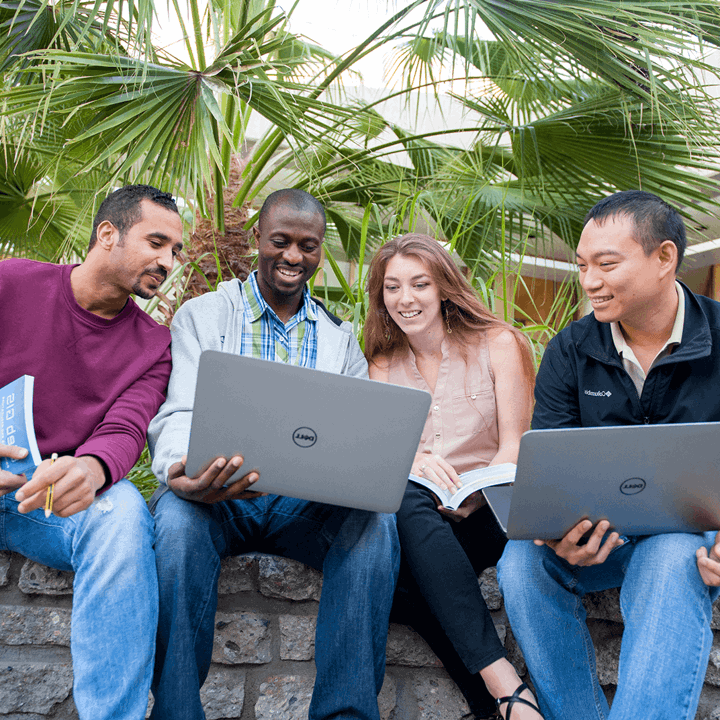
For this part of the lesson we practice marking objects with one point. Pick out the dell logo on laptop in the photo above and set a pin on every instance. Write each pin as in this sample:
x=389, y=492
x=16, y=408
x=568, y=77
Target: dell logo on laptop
x=304, y=437
x=632, y=486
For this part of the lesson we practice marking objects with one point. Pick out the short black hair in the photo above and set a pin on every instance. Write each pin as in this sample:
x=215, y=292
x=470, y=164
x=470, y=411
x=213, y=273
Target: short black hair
x=655, y=221
x=297, y=199
x=122, y=207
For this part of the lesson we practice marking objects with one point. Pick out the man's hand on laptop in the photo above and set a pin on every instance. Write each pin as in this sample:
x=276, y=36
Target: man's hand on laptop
x=9, y=481
x=709, y=565
x=593, y=552
x=209, y=486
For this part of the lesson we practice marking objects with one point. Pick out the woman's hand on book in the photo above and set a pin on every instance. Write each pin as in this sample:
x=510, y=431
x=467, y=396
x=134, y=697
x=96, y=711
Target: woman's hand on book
x=9, y=481
x=437, y=470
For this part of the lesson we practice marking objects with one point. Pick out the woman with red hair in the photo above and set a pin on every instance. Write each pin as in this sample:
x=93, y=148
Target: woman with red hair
x=427, y=329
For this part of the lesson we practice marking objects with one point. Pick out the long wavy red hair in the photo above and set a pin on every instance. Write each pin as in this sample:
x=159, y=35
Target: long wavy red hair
x=463, y=311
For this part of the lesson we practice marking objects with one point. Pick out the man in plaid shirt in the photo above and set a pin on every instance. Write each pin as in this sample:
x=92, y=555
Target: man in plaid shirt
x=199, y=521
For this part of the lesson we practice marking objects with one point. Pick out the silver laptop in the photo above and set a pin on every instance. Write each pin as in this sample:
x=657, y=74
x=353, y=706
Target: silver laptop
x=312, y=435
x=643, y=479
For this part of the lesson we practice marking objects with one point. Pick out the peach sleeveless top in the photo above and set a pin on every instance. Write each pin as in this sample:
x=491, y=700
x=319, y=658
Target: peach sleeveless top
x=462, y=422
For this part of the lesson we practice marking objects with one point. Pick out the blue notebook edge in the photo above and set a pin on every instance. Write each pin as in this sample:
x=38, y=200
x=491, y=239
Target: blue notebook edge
x=17, y=425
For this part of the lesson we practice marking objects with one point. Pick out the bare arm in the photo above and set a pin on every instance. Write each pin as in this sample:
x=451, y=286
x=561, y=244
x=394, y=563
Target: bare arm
x=513, y=394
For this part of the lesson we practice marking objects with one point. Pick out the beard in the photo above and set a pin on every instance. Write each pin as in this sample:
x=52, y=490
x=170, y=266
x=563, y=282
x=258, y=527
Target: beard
x=145, y=293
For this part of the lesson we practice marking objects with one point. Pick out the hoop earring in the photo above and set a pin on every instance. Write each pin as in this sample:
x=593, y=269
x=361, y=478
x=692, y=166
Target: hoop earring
x=447, y=321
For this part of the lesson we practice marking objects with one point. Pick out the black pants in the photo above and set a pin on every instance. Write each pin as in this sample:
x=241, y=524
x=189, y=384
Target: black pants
x=438, y=593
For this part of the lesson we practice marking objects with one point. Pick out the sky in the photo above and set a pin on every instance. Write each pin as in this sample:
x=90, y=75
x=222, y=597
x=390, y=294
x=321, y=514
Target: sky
x=336, y=25
x=339, y=25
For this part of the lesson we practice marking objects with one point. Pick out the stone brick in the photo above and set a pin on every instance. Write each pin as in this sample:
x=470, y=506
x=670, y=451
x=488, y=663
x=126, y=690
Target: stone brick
x=4, y=567
x=34, y=626
x=288, y=579
x=284, y=697
x=604, y=605
x=490, y=589
x=287, y=697
x=34, y=688
x=236, y=574
x=715, y=622
x=606, y=639
x=387, y=699
x=501, y=630
x=38, y=579
x=297, y=637
x=438, y=699
x=241, y=638
x=712, y=676
x=406, y=647
x=223, y=693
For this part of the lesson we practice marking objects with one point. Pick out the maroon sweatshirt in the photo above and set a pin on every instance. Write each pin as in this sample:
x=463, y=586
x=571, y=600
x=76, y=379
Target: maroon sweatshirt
x=98, y=382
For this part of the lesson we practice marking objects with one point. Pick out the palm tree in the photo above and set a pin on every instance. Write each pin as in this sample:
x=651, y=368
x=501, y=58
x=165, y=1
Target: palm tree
x=569, y=101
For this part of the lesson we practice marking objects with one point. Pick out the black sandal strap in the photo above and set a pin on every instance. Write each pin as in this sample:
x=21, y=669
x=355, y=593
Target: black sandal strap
x=515, y=698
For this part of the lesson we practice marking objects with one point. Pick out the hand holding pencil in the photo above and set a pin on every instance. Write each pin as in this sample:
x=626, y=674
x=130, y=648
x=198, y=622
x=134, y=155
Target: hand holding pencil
x=62, y=486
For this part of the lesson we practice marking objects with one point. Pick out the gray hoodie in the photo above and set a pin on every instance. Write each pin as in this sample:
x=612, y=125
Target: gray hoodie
x=212, y=322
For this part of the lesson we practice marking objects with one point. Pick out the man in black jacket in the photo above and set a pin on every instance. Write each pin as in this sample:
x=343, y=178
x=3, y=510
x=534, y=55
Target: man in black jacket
x=648, y=353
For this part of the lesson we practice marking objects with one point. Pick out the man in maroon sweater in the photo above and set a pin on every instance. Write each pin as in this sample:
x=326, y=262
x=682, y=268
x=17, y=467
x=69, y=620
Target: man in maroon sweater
x=101, y=367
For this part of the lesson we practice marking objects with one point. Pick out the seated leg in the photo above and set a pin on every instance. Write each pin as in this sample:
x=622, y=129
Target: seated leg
x=114, y=614
x=359, y=576
x=445, y=574
x=188, y=547
x=410, y=608
x=543, y=600
x=667, y=638
x=359, y=555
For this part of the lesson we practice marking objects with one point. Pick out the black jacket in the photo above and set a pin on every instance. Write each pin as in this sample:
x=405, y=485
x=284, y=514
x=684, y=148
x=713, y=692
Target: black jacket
x=582, y=383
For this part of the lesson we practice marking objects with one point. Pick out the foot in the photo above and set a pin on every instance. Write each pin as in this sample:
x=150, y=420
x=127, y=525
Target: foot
x=520, y=705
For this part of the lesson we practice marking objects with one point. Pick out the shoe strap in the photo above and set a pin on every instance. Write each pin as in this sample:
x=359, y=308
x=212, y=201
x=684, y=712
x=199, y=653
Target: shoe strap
x=515, y=698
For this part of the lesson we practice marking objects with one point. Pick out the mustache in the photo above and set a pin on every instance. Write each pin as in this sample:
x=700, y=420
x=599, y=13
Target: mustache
x=162, y=272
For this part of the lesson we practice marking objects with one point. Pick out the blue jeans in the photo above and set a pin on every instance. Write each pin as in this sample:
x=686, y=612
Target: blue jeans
x=666, y=609
x=358, y=553
x=114, y=611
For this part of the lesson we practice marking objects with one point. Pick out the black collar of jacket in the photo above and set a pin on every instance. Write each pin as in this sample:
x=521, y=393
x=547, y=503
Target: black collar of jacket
x=595, y=338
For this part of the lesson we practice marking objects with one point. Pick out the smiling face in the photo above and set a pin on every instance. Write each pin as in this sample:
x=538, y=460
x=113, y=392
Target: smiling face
x=289, y=251
x=411, y=296
x=622, y=283
x=144, y=255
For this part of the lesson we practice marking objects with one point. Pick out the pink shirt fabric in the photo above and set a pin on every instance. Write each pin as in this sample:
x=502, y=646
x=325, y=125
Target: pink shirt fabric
x=98, y=382
x=462, y=422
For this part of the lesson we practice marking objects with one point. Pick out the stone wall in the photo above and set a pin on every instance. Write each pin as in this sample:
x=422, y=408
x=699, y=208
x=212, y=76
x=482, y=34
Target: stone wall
x=264, y=646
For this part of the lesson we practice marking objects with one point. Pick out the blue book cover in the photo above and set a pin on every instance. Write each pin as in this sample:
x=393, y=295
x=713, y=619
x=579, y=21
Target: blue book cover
x=16, y=425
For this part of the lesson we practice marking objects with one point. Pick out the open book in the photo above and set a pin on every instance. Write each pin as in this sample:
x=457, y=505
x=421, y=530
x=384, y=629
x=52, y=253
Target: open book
x=473, y=480
x=16, y=425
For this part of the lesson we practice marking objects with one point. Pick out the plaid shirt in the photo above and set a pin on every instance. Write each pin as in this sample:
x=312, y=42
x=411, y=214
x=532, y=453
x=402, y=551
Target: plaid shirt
x=266, y=337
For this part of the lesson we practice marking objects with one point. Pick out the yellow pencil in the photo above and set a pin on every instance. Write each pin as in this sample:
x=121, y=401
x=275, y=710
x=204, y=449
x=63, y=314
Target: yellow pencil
x=50, y=491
